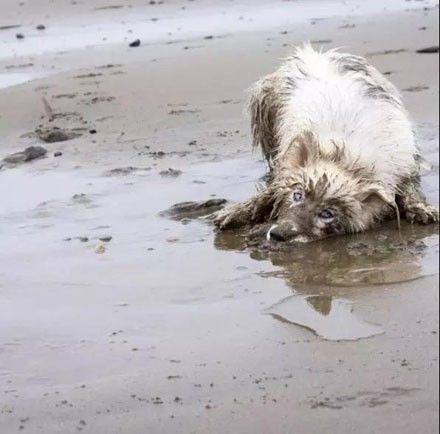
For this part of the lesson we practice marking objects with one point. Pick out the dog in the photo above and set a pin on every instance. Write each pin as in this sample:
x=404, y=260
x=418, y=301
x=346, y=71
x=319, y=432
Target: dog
x=340, y=149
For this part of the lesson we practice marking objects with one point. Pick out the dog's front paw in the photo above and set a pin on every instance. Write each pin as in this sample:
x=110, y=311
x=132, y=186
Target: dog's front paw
x=220, y=218
x=224, y=218
x=232, y=217
x=422, y=213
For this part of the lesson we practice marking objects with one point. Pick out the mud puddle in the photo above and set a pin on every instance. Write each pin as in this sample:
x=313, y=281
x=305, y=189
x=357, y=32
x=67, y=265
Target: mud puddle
x=330, y=318
x=385, y=255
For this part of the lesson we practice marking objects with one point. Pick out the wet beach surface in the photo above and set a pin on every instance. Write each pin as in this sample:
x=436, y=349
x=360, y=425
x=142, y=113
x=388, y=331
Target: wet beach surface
x=117, y=318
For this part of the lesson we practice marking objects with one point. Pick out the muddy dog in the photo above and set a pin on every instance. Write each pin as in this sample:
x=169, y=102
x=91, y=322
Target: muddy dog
x=340, y=149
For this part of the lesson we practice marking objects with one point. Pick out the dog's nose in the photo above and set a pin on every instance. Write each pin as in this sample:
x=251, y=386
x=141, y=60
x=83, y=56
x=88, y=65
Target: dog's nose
x=277, y=234
x=280, y=233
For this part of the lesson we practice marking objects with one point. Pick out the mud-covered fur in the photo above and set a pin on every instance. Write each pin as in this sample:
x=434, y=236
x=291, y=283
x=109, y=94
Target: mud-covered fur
x=339, y=146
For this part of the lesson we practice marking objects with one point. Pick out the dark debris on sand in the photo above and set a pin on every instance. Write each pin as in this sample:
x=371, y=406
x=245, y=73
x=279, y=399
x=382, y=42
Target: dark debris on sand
x=29, y=154
x=170, y=173
x=428, y=50
x=188, y=210
x=124, y=171
x=55, y=134
x=135, y=43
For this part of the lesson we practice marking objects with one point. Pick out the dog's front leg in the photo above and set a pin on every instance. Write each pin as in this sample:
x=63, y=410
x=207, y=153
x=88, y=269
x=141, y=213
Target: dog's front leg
x=234, y=216
x=258, y=209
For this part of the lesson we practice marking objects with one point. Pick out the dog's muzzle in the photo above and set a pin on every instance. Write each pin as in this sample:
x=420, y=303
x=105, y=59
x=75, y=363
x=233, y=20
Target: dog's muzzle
x=281, y=232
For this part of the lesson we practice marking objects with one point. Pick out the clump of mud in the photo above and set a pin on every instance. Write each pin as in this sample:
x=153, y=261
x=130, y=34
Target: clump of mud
x=54, y=134
x=125, y=171
x=170, y=173
x=29, y=154
x=193, y=210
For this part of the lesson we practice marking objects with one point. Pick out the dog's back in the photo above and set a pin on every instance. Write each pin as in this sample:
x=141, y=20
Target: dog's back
x=344, y=102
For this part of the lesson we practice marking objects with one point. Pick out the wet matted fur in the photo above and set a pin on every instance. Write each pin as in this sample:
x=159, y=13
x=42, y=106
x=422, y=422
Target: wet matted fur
x=340, y=149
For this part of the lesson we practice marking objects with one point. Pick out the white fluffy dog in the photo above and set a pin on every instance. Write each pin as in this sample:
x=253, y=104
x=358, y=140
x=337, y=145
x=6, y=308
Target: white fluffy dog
x=340, y=148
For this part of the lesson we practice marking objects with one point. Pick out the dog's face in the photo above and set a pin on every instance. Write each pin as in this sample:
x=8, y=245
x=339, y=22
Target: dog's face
x=325, y=204
x=322, y=197
x=314, y=194
x=305, y=215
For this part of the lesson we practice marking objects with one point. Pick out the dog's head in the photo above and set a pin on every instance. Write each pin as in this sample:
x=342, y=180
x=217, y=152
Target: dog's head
x=315, y=195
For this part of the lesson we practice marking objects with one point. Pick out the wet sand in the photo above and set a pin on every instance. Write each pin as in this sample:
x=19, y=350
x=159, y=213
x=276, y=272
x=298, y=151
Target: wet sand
x=114, y=318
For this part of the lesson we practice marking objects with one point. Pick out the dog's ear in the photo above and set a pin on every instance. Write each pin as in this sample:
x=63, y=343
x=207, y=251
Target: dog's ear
x=306, y=149
x=374, y=192
x=375, y=196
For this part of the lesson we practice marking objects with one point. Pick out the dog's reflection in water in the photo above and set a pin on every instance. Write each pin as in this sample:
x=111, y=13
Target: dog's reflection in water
x=321, y=303
x=322, y=274
x=377, y=257
x=329, y=317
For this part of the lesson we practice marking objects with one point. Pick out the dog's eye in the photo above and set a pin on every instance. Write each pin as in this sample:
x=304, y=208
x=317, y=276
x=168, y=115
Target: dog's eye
x=327, y=214
x=297, y=196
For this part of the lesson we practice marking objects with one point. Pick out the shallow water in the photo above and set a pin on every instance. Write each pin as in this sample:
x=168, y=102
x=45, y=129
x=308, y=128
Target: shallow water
x=65, y=213
x=329, y=317
x=385, y=255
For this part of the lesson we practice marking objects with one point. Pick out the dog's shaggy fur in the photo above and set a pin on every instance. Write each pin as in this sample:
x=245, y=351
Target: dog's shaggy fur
x=340, y=149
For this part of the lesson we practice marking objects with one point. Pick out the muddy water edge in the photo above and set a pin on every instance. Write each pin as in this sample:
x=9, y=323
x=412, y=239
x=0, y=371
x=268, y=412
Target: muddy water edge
x=115, y=318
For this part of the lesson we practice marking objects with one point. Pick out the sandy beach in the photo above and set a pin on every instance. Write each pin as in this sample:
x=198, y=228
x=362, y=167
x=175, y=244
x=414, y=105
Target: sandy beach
x=117, y=319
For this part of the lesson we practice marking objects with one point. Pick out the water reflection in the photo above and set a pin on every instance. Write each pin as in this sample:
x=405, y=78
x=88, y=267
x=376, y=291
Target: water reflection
x=382, y=256
x=328, y=317
x=318, y=273
x=321, y=303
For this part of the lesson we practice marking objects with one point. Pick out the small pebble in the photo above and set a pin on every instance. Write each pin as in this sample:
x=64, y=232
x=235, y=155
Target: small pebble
x=135, y=43
x=100, y=248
